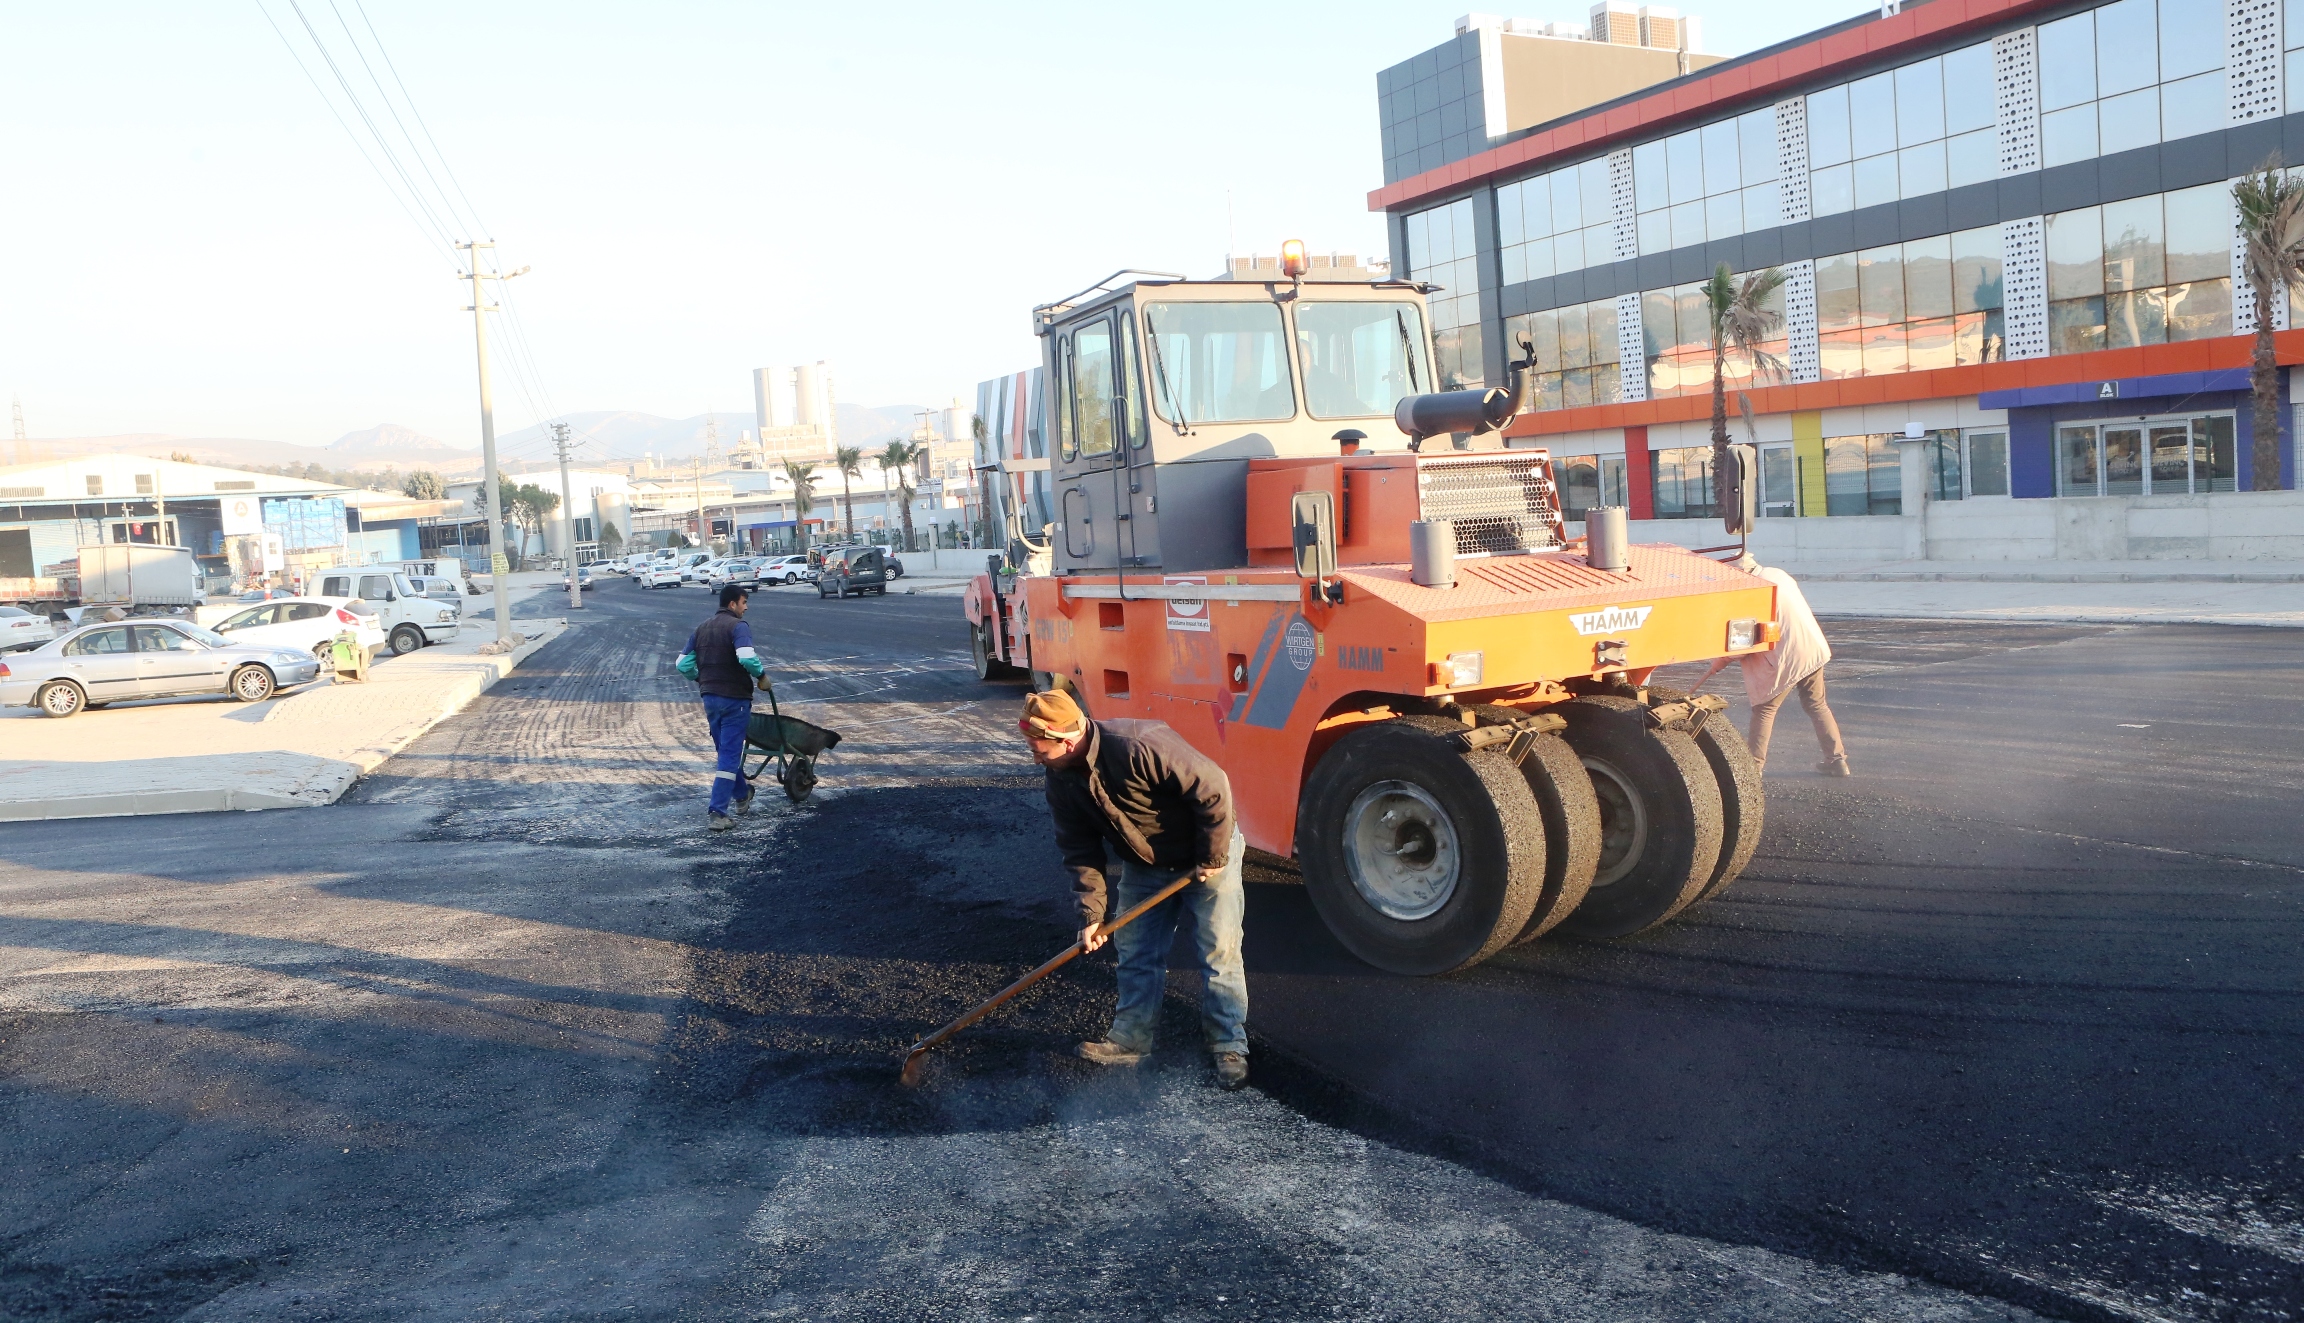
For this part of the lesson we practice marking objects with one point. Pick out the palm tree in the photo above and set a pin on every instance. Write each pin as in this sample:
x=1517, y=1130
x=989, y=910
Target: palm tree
x=849, y=460
x=2272, y=232
x=803, y=478
x=898, y=459
x=1742, y=321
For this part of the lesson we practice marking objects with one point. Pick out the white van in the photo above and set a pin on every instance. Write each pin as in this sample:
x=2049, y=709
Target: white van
x=409, y=618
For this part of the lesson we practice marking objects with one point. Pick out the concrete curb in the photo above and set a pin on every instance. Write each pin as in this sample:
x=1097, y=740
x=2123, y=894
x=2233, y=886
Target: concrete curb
x=318, y=780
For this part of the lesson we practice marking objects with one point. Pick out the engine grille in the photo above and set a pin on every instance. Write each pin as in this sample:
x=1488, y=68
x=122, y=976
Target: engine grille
x=1499, y=503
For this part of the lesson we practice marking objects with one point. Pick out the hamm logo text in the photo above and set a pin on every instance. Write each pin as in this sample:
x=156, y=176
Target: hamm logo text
x=1614, y=620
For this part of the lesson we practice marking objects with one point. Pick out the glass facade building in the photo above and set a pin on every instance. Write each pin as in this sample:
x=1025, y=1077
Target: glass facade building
x=1998, y=217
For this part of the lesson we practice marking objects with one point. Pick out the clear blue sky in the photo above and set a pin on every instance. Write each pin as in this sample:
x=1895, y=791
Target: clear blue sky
x=195, y=247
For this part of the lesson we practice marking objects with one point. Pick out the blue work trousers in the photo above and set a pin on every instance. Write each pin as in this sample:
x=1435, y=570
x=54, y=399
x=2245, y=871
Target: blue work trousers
x=728, y=718
x=1212, y=910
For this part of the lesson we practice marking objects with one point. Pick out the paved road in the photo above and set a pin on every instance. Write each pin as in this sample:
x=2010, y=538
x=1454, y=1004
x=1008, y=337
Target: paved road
x=2007, y=1023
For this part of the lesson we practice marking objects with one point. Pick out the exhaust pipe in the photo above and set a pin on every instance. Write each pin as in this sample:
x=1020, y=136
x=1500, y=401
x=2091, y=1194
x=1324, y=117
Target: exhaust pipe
x=1470, y=411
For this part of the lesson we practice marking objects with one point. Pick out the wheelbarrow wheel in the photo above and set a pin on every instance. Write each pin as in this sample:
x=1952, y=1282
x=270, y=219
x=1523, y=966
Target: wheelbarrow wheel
x=798, y=777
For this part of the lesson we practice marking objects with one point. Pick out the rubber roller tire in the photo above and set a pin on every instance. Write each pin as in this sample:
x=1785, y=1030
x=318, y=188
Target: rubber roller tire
x=1660, y=817
x=1743, y=800
x=1571, y=812
x=1403, y=790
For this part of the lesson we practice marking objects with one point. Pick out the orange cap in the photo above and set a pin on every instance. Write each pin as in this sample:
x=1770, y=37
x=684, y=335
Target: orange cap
x=1052, y=716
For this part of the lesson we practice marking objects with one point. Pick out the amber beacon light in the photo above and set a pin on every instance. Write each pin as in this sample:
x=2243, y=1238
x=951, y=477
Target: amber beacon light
x=1293, y=262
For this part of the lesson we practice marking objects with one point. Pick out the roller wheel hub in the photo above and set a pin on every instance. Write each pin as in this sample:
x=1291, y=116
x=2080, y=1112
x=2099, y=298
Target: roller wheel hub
x=1402, y=850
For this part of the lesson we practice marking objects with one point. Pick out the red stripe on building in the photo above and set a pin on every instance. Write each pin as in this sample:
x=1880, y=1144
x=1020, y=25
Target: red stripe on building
x=1639, y=475
x=2230, y=351
x=1705, y=93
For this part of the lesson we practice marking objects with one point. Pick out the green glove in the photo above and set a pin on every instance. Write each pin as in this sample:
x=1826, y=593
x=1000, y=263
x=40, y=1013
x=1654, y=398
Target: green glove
x=687, y=664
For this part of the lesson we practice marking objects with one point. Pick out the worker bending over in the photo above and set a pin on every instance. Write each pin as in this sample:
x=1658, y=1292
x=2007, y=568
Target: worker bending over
x=1795, y=663
x=721, y=661
x=1168, y=811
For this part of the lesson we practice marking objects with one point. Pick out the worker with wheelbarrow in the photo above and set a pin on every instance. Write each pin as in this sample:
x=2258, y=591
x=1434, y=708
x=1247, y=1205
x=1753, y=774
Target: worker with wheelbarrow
x=1168, y=811
x=722, y=662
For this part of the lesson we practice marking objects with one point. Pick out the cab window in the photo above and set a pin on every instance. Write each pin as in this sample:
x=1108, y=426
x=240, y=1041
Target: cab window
x=1218, y=363
x=376, y=587
x=1092, y=396
x=1360, y=359
x=1132, y=384
x=98, y=643
x=1064, y=396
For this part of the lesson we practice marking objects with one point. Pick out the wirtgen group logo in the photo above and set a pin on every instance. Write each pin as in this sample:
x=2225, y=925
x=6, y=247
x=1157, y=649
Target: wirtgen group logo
x=1614, y=620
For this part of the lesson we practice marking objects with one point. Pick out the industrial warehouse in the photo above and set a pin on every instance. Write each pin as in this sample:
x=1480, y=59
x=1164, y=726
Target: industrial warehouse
x=2009, y=330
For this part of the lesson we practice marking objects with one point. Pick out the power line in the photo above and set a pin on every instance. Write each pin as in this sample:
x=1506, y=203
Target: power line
x=361, y=109
x=445, y=168
x=394, y=112
x=359, y=146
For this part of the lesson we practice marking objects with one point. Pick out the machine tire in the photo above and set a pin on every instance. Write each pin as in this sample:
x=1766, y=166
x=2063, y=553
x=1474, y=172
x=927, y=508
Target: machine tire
x=406, y=639
x=1660, y=817
x=1571, y=809
x=1743, y=799
x=60, y=698
x=988, y=667
x=1493, y=828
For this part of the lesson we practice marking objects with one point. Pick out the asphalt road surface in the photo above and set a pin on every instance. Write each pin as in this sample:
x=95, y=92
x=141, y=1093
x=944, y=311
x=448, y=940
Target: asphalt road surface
x=2006, y=1025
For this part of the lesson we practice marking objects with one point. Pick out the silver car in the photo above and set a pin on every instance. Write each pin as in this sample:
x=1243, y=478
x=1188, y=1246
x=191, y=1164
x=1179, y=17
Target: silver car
x=96, y=665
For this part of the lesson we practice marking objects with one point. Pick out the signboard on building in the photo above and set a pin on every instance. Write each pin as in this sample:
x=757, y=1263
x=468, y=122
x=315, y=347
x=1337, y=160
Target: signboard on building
x=307, y=523
x=242, y=515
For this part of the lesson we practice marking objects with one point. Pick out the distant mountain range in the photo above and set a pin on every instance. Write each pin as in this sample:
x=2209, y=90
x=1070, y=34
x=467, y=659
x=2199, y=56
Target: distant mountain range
x=603, y=439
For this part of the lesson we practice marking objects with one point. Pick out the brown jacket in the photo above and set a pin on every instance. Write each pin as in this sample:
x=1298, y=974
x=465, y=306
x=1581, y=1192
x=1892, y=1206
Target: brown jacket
x=1149, y=793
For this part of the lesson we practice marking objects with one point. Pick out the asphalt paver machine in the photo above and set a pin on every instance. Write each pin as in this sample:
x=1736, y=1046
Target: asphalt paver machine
x=1421, y=690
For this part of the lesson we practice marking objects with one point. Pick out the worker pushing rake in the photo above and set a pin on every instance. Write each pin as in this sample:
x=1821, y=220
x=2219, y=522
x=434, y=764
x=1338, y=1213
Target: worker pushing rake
x=1167, y=809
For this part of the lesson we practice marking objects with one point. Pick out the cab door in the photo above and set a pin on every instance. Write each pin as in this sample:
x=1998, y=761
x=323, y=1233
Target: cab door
x=1134, y=490
x=1089, y=427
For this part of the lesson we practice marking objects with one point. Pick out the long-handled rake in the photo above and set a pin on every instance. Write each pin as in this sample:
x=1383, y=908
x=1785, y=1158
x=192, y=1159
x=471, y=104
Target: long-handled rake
x=917, y=1058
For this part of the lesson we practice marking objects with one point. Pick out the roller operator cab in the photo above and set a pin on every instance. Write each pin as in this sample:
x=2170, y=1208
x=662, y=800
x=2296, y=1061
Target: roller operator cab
x=1419, y=687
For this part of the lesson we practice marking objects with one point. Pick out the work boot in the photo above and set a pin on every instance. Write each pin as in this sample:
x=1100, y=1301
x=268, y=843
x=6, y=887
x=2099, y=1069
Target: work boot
x=1108, y=1053
x=744, y=805
x=1835, y=767
x=1231, y=1069
x=722, y=822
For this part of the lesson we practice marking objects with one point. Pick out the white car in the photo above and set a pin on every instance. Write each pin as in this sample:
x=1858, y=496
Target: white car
x=20, y=628
x=306, y=624
x=663, y=574
x=692, y=566
x=785, y=569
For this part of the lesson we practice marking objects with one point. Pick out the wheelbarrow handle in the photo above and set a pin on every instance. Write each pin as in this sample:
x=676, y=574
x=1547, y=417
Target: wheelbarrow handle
x=920, y=1049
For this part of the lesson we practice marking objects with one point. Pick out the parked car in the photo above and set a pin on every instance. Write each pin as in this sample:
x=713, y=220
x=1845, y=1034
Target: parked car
x=20, y=628
x=784, y=569
x=856, y=570
x=97, y=665
x=440, y=589
x=663, y=574
x=410, y=619
x=583, y=577
x=691, y=565
x=306, y=624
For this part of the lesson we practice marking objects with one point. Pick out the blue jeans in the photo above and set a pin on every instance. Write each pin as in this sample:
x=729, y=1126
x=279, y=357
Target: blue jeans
x=1213, y=910
x=728, y=718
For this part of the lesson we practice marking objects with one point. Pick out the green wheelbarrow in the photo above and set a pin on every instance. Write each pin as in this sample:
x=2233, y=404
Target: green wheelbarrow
x=790, y=743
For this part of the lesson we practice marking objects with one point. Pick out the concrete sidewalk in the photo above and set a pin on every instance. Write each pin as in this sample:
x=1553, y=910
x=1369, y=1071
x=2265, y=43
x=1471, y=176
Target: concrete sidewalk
x=199, y=755
x=2170, y=592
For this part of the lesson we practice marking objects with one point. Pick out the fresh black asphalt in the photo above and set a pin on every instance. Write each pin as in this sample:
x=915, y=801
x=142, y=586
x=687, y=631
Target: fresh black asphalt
x=2016, y=1011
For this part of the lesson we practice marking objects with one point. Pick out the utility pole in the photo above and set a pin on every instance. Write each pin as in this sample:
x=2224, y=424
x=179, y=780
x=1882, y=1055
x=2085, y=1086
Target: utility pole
x=499, y=568
x=567, y=516
x=703, y=530
x=23, y=447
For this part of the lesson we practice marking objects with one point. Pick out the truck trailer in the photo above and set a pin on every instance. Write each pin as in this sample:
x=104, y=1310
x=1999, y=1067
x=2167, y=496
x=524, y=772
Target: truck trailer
x=1420, y=688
